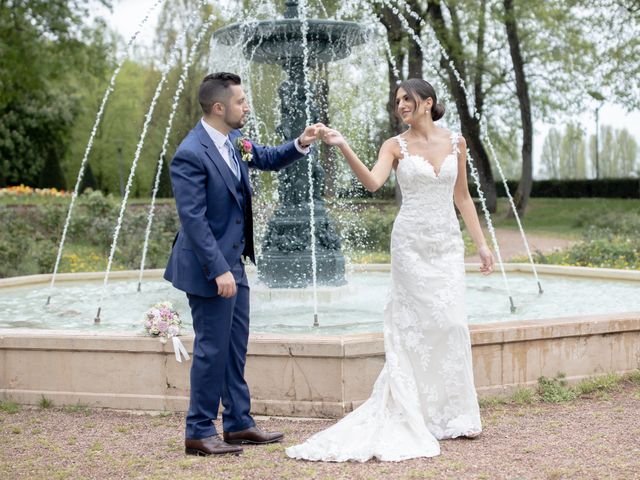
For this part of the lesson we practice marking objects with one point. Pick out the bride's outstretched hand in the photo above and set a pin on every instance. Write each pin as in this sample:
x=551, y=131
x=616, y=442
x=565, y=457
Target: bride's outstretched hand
x=330, y=136
x=486, y=257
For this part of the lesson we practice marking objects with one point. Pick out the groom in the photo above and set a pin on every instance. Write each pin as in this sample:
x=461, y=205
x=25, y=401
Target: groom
x=210, y=179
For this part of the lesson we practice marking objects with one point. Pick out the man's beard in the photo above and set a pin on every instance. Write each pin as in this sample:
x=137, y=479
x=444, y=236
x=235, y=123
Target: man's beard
x=237, y=123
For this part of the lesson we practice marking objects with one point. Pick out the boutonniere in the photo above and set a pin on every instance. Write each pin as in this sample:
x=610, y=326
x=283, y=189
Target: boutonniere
x=245, y=147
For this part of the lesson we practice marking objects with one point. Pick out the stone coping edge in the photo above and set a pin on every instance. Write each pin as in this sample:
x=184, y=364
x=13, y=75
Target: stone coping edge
x=345, y=346
x=565, y=270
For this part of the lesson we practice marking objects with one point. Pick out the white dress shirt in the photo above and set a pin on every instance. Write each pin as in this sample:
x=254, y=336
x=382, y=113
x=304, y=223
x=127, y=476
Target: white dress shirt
x=219, y=139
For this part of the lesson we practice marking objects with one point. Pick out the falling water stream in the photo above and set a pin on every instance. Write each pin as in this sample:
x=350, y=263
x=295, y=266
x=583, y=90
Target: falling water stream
x=367, y=122
x=312, y=220
x=165, y=70
x=94, y=130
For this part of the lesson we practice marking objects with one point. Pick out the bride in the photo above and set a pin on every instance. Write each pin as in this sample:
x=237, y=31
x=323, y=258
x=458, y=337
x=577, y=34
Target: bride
x=425, y=391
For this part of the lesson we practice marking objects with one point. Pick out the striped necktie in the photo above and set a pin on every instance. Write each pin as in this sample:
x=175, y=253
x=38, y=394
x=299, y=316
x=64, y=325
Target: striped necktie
x=233, y=160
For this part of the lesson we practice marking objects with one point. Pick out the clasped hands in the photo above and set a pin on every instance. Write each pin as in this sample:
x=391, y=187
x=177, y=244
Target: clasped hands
x=319, y=131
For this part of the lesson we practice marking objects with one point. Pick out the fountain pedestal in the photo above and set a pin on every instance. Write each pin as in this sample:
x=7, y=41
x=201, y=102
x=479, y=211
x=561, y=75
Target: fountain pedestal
x=286, y=259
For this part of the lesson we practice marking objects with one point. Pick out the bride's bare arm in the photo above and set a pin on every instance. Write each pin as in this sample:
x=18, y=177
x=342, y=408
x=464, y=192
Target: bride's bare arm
x=371, y=179
x=467, y=209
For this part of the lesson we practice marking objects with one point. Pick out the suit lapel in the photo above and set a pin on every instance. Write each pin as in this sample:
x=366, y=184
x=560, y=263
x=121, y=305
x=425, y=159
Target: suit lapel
x=244, y=166
x=214, y=155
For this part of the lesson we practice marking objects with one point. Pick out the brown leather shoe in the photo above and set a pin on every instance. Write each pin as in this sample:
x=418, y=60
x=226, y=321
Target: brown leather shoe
x=253, y=435
x=213, y=445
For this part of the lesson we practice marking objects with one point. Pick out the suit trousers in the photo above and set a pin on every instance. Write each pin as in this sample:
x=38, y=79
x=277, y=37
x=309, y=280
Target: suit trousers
x=221, y=328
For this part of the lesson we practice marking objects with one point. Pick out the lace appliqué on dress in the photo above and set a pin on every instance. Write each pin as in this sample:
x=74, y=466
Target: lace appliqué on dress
x=425, y=390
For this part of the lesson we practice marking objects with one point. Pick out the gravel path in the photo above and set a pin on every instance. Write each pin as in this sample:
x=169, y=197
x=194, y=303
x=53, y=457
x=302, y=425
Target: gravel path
x=511, y=244
x=589, y=438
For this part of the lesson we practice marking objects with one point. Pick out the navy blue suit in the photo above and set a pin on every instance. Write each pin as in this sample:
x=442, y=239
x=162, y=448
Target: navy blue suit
x=216, y=230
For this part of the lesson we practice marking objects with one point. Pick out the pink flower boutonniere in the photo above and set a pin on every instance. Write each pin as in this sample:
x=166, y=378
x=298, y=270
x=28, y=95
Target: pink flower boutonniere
x=246, y=148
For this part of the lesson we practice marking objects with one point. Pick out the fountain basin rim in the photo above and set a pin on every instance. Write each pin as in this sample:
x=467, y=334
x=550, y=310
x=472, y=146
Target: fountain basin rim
x=235, y=31
x=68, y=366
x=347, y=345
x=560, y=270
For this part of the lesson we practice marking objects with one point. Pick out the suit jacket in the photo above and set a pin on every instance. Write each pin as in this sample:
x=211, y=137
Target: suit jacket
x=215, y=228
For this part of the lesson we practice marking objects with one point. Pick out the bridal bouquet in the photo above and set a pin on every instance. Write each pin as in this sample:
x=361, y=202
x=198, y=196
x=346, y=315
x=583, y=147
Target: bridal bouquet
x=162, y=320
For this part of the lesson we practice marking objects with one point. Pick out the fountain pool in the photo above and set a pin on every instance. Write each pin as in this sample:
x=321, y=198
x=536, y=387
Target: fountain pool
x=588, y=324
x=355, y=308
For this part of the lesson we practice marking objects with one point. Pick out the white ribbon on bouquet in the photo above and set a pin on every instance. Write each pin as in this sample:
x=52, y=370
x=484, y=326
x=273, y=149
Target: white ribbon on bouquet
x=179, y=349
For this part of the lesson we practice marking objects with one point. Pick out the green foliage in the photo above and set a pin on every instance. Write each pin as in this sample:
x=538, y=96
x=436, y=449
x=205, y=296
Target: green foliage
x=34, y=133
x=46, y=52
x=564, y=154
x=9, y=407
x=555, y=390
x=602, y=383
x=369, y=229
x=491, y=401
x=602, y=188
x=45, y=402
x=523, y=396
x=609, y=241
x=77, y=408
x=29, y=242
x=632, y=377
x=617, y=153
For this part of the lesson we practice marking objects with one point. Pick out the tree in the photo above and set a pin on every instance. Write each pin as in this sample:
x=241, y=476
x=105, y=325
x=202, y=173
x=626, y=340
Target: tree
x=564, y=154
x=573, y=159
x=461, y=62
x=521, y=196
x=550, y=157
x=618, y=155
x=45, y=49
x=626, y=149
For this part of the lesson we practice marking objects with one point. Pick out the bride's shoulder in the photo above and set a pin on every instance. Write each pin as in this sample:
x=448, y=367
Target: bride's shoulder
x=391, y=146
x=456, y=137
x=392, y=143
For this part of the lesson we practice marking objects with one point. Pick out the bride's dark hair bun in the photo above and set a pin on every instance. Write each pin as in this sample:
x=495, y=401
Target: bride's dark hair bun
x=437, y=111
x=421, y=89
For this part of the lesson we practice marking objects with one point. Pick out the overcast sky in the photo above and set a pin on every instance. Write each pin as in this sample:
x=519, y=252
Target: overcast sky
x=127, y=14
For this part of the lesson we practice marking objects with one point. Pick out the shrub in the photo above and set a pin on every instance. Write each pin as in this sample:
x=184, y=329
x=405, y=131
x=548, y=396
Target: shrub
x=30, y=237
x=599, y=384
x=523, y=396
x=554, y=390
x=609, y=241
x=9, y=407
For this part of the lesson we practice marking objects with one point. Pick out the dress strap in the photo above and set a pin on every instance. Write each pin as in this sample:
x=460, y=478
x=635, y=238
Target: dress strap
x=454, y=143
x=403, y=145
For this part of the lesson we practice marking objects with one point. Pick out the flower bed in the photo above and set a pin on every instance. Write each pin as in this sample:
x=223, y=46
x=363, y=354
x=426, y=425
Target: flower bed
x=24, y=191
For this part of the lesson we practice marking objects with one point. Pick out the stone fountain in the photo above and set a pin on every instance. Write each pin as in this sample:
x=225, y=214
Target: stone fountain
x=286, y=260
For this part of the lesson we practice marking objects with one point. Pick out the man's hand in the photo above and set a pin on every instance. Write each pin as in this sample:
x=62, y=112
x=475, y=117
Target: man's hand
x=226, y=285
x=309, y=135
x=330, y=136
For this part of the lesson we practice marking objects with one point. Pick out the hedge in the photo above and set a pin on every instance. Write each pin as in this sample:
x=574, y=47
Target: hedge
x=603, y=188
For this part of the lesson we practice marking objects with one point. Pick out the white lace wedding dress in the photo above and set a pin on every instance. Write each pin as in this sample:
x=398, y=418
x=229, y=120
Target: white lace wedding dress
x=425, y=391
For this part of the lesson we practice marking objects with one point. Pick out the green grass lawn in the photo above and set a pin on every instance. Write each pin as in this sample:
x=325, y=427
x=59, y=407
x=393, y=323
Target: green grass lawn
x=564, y=217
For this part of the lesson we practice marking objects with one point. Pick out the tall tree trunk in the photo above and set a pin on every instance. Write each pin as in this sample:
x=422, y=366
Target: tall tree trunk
x=470, y=125
x=523, y=192
x=395, y=37
x=416, y=57
x=478, y=90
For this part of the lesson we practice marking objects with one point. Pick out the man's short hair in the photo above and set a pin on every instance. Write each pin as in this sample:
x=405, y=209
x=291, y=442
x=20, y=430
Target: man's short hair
x=215, y=88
